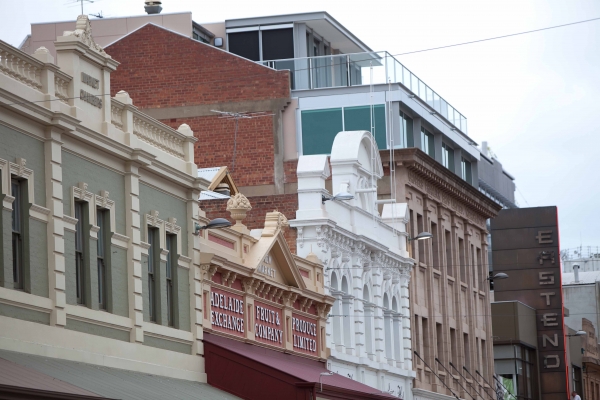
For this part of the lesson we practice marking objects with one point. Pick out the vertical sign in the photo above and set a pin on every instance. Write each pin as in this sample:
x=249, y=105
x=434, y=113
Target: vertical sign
x=525, y=246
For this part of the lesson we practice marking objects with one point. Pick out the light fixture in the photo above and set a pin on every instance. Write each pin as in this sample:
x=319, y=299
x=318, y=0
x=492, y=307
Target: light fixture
x=499, y=275
x=216, y=223
x=342, y=196
x=578, y=333
x=421, y=236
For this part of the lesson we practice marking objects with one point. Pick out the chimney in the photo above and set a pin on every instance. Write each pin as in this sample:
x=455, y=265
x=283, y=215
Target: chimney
x=576, y=273
x=484, y=148
x=153, y=7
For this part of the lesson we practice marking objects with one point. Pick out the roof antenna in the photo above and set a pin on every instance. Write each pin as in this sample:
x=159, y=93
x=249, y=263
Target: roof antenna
x=98, y=15
x=237, y=116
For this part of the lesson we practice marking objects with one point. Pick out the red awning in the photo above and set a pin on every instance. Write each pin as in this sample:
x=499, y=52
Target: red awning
x=253, y=372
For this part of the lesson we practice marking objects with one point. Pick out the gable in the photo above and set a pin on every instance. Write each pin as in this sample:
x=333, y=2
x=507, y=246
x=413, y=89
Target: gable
x=274, y=262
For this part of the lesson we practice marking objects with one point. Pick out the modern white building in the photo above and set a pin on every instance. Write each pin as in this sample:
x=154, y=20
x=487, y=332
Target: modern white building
x=367, y=265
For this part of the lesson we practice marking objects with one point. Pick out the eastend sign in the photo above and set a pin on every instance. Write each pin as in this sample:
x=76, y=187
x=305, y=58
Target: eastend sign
x=525, y=246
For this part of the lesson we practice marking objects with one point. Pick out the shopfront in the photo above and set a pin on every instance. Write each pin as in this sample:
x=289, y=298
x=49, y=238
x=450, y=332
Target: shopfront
x=265, y=312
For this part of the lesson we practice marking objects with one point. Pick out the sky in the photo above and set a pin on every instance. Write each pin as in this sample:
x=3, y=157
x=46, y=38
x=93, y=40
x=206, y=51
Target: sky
x=534, y=98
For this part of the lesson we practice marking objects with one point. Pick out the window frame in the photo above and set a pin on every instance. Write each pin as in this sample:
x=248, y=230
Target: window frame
x=16, y=190
x=102, y=253
x=153, y=234
x=80, y=253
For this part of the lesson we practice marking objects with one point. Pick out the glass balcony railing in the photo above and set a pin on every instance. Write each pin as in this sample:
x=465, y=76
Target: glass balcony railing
x=342, y=70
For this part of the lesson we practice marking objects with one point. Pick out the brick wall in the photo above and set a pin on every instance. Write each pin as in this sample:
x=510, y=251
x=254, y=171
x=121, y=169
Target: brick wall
x=160, y=69
x=163, y=70
x=261, y=205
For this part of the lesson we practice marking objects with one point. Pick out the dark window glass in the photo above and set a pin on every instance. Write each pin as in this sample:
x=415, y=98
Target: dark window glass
x=319, y=128
x=448, y=157
x=101, y=222
x=406, y=128
x=79, y=250
x=465, y=167
x=17, y=233
x=359, y=119
x=427, y=143
x=152, y=237
x=171, y=271
x=277, y=44
x=244, y=44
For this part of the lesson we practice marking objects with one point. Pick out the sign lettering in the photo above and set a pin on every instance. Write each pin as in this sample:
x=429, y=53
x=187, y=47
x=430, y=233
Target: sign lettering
x=90, y=98
x=544, y=237
x=265, y=269
x=549, y=319
x=90, y=81
x=548, y=296
x=552, y=342
x=546, y=278
x=555, y=359
x=305, y=335
x=227, y=312
x=267, y=326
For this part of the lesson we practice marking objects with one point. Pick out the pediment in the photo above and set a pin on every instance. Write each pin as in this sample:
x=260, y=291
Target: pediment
x=273, y=261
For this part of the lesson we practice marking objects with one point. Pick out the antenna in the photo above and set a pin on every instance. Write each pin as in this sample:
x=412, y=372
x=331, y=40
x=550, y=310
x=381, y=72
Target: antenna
x=98, y=15
x=81, y=2
x=236, y=116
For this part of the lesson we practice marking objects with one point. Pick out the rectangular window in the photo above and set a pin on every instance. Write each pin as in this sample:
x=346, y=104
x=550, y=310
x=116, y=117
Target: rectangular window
x=448, y=157
x=17, y=232
x=79, y=252
x=427, y=143
x=319, y=128
x=171, y=278
x=277, y=44
x=435, y=247
x=417, y=337
x=449, y=259
x=406, y=131
x=453, y=345
x=102, y=223
x=465, y=170
x=440, y=341
x=244, y=44
x=467, y=350
x=359, y=119
x=152, y=271
x=462, y=260
x=425, y=332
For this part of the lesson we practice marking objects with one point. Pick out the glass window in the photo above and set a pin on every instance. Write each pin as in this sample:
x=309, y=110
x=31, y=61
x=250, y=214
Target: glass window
x=465, y=170
x=101, y=222
x=277, y=44
x=448, y=157
x=17, y=232
x=170, y=275
x=359, y=119
x=319, y=128
x=427, y=143
x=406, y=131
x=152, y=260
x=79, y=252
x=244, y=44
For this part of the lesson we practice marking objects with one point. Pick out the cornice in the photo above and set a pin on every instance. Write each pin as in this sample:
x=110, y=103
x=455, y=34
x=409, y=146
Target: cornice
x=424, y=171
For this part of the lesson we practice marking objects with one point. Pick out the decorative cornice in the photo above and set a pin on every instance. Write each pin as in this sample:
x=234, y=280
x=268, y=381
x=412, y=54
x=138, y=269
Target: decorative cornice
x=443, y=185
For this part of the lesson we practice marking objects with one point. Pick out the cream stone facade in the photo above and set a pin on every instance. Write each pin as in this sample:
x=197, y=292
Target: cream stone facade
x=67, y=145
x=449, y=291
x=367, y=263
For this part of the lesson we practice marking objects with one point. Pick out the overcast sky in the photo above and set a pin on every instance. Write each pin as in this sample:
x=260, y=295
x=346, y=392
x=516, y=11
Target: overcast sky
x=534, y=98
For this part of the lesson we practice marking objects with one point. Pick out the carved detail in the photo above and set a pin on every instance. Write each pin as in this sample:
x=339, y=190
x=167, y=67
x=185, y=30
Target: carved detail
x=83, y=31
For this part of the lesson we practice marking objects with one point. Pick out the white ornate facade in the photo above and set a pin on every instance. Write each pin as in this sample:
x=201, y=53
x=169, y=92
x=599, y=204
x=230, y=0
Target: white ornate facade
x=367, y=265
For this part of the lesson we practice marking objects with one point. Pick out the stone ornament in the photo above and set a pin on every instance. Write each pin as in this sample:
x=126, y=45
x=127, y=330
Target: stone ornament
x=238, y=206
x=83, y=31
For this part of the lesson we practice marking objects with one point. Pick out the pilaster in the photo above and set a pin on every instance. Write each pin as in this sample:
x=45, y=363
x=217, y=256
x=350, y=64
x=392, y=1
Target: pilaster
x=55, y=226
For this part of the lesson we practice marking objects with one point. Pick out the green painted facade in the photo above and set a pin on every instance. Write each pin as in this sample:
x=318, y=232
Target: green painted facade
x=16, y=144
x=26, y=314
x=97, y=330
x=167, y=344
x=77, y=169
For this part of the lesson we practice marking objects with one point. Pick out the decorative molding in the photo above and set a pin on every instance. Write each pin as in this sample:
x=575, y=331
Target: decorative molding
x=83, y=32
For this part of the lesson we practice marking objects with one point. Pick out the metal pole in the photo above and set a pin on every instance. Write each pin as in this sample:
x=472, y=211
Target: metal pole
x=348, y=69
x=310, y=74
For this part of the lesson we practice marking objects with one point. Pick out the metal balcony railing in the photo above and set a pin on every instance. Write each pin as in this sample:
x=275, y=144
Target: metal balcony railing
x=343, y=70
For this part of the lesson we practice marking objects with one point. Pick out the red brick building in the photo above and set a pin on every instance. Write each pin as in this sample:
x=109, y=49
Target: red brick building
x=185, y=81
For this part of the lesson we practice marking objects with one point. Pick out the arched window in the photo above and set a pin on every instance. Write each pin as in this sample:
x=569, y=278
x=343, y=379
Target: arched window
x=337, y=328
x=397, y=329
x=346, y=310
